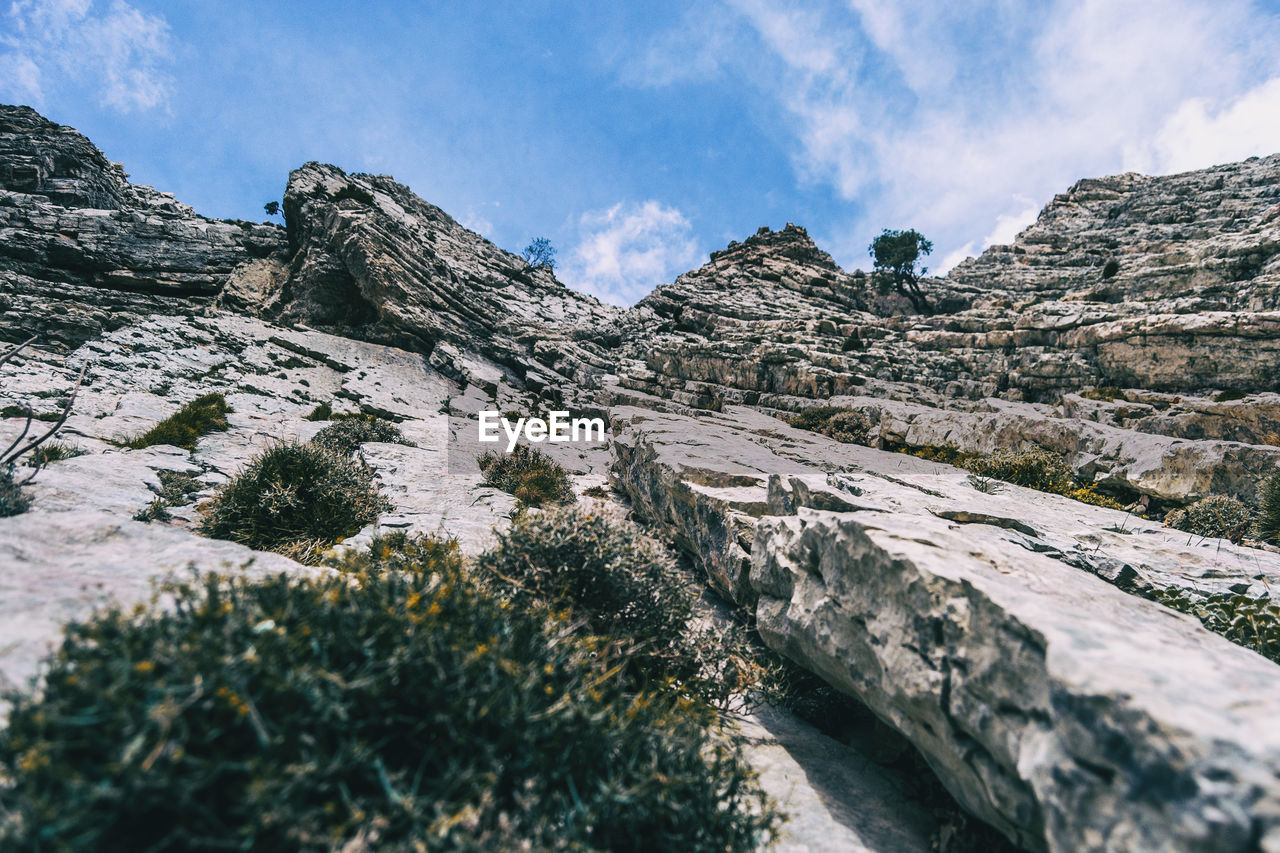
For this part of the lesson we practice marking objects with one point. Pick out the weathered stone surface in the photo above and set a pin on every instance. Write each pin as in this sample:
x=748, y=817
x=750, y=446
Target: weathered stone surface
x=82, y=250
x=60, y=566
x=992, y=629
x=1063, y=711
x=707, y=480
x=373, y=260
x=836, y=799
x=1123, y=460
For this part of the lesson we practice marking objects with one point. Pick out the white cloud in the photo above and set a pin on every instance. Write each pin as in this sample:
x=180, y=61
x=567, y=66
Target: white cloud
x=1201, y=133
x=1007, y=227
x=121, y=53
x=627, y=250
x=960, y=120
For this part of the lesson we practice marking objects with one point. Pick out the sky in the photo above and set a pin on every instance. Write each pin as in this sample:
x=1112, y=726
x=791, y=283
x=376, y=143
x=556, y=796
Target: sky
x=639, y=137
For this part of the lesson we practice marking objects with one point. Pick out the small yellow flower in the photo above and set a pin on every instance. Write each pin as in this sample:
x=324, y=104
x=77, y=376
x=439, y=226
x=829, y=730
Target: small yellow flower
x=144, y=666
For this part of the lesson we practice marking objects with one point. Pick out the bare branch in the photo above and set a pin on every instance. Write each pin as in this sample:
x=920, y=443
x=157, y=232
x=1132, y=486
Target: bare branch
x=17, y=349
x=6, y=458
x=66, y=412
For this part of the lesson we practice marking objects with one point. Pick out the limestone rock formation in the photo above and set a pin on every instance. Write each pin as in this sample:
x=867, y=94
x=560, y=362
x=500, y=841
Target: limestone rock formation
x=84, y=251
x=1134, y=330
x=373, y=260
x=999, y=632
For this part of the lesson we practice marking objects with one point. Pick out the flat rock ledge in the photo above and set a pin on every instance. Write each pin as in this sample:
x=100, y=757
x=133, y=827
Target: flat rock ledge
x=991, y=630
x=1064, y=712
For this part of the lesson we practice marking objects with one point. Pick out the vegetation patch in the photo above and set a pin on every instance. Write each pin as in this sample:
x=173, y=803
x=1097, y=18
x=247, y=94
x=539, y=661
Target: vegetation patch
x=295, y=499
x=1108, y=394
x=24, y=412
x=177, y=487
x=184, y=427
x=1229, y=395
x=526, y=472
x=322, y=412
x=351, y=191
x=1217, y=517
x=157, y=510
x=348, y=432
x=617, y=582
x=12, y=500
x=1252, y=622
x=54, y=451
x=850, y=426
x=402, y=707
x=1034, y=468
x=1268, y=520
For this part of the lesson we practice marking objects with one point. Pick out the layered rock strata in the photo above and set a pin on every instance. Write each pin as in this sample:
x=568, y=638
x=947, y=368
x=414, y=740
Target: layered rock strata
x=84, y=251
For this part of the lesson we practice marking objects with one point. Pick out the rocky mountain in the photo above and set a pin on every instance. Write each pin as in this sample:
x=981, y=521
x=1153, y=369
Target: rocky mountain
x=1009, y=634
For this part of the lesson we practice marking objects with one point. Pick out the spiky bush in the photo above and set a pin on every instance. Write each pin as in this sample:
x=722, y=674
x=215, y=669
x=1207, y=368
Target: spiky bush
x=1268, y=517
x=297, y=499
x=322, y=412
x=54, y=451
x=1035, y=468
x=1217, y=516
x=851, y=426
x=402, y=708
x=526, y=472
x=619, y=583
x=184, y=427
x=348, y=432
x=1252, y=622
x=12, y=501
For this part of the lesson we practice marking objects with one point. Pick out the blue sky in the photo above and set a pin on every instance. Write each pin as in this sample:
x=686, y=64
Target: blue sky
x=639, y=137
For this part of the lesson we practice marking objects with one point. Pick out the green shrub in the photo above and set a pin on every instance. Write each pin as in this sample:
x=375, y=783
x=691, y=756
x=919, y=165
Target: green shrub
x=183, y=428
x=851, y=426
x=177, y=487
x=1217, y=517
x=1035, y=468
x=24, y=412
x=1244, y=620
x=322, y=412
x=1107, y=394
x=619, y=583
x=391, y=710
x=12, y=501
x=53, y=451
x=157, y=510
x=297, y=499
x=1110, y=268
x=1268, y=522
x=853, y=343
x=529, y=474
x=1229, y=395
x=348, y=432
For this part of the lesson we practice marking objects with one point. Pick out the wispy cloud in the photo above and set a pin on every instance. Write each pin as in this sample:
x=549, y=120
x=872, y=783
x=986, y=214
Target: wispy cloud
x=121, y=53
x=624, y=252
x=961, y=120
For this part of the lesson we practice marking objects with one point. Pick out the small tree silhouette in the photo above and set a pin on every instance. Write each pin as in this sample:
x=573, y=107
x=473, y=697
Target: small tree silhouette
x=540, y=253
x=895, y=254
x=272, y=208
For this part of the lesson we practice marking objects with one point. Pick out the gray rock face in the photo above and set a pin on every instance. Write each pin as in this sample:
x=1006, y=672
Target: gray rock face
x=1048, y=701
x=373, y=260
x=993, y=630
x=1209, y=240
x=82, y=250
